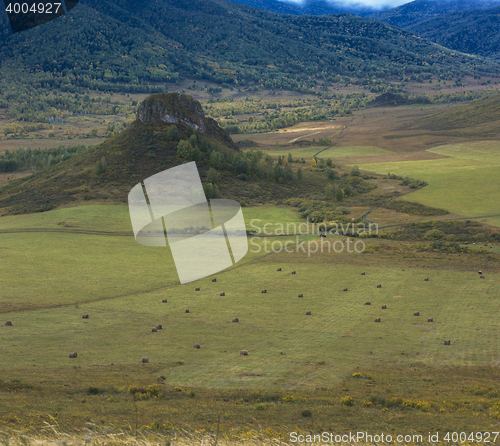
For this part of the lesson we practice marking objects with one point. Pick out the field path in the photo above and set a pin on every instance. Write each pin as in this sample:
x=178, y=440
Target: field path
x=334, y=144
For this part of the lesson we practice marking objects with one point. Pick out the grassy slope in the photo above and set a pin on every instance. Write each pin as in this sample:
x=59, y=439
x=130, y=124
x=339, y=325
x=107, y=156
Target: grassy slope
x=466, y=183
x=51, y=279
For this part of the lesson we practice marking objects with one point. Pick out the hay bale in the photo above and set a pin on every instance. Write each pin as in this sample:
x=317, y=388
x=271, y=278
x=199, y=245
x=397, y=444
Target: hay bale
x=223, y=294
x=293, y=272
x=264, y=291
x=345, y=289
x=236, y=319
x=416, y=313
x=379, y=286
x=378, y=320
x=186, y=310
x=363, y=273
x=73, y=355
x=447, y=342
x=159, y=327
x=8, y=324
x=384, y=307
x=196, y=346
x=308, y=313
x=243, y=353
x=279, y=269
x=145, y=359
x=154, y=329
x=368, y=303
x=214, y=280
x=301, y=295
x=85, y=316
x=426, y=279
x=430, y=319
x=197, y=289
x=164, y=301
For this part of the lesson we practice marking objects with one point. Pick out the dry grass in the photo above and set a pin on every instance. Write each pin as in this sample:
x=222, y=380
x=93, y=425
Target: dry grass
x=104, y=436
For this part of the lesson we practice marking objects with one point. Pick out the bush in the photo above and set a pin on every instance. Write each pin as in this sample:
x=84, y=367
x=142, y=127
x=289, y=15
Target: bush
x=347, y=401
x=217, y=160
x=434, y=234
x=306, y=413
x=213, y=176
x=94, y=391
x=211, y=191
x=243, y=177
x=173, y=133
x=101, y=166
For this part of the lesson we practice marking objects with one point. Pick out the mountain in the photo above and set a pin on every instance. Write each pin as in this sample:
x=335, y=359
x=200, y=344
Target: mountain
x=421, y=10
x=471, y=31
x=311, y=7
x=121, y=45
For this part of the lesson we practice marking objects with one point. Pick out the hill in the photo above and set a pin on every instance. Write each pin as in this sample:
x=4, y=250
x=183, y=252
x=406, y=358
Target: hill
x=471, y=31
x=419, y=11
x=116, y=45
x=480, y=118
x=170, y=129
x=140, y=151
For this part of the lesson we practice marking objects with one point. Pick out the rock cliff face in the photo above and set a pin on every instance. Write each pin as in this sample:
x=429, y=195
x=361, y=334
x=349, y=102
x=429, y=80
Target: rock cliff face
x=181, y=109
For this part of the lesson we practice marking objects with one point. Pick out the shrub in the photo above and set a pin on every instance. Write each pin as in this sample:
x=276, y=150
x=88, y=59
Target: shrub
x=347, y=401
x=243, y=177
x=434, y=234
x=306, y=413
x=217, y=160
x=101, y=166
x=173, y=133
x=213, y=176
x=94, y=391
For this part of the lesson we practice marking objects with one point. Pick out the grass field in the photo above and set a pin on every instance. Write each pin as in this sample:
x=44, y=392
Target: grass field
x=50, y=279
x=324, y=152
x=467, y=183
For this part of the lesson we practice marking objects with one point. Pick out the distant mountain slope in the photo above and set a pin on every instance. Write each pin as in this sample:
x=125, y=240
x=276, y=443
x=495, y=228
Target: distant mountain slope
x=474, y=31
x=420, y=10
x=312, y=7
x=122, y=45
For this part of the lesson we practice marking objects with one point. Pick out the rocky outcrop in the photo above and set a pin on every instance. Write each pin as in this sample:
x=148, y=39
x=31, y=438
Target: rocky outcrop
x=181, y=109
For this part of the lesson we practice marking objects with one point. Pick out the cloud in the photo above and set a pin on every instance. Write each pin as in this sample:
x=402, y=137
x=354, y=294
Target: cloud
x=374, y=4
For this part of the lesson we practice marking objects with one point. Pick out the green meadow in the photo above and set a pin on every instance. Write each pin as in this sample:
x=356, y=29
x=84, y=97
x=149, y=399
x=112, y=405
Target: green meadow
x=329, y=152
x=51, y=278
x=465, y=183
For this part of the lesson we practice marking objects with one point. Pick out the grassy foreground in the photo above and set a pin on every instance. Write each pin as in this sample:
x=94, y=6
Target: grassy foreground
x=335, y=370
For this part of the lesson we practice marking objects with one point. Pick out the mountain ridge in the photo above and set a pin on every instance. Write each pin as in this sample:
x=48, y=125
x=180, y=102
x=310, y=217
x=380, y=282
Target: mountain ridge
x=471, y=31
x=119, y=46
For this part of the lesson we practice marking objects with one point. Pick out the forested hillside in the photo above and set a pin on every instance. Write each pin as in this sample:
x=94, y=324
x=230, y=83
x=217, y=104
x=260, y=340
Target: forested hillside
x=419, y=11
x=122, y=46
x=471, y=31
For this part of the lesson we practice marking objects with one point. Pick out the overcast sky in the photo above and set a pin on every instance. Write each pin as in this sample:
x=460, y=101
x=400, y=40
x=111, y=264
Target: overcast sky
x=376, y=4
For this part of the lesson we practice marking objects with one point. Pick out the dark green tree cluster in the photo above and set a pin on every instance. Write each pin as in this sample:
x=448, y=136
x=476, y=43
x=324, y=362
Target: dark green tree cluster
x=25, y=159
